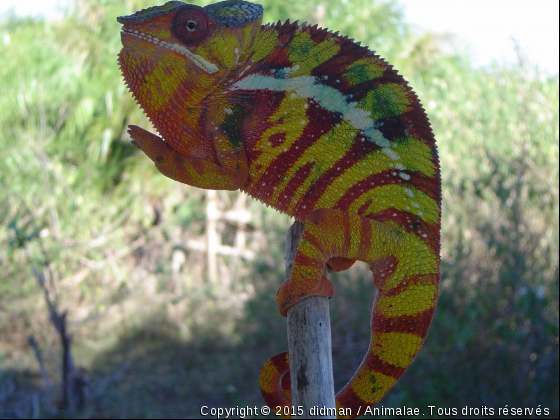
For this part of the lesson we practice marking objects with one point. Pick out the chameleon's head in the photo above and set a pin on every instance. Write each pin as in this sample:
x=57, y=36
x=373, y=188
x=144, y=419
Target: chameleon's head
x=184, y=45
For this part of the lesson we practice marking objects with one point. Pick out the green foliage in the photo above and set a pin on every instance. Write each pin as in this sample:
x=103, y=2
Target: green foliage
x=74, y=195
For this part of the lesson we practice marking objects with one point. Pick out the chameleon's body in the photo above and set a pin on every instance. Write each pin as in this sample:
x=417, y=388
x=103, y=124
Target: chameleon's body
x=317, y=127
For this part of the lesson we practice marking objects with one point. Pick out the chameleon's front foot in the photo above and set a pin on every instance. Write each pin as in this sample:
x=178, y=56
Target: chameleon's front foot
x=168, y=161
x=154, y=146
x=228, y=173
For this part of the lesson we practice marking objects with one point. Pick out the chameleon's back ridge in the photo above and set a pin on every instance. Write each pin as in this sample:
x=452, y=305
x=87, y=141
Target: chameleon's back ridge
x=316, y=126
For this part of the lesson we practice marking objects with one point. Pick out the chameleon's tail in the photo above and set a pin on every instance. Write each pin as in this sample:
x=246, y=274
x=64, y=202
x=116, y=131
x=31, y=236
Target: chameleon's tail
x=394, y=345
x=274, y=381
x=395, y=341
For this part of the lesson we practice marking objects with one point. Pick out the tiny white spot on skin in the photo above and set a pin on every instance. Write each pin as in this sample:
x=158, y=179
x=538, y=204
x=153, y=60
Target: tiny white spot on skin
x=236, y=52
x=404, y=176
x=287, y=71
x=228, y=111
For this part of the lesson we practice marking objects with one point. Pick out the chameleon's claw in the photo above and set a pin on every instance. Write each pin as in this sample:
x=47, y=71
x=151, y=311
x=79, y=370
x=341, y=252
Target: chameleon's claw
x=139, y=135
x=154, y=146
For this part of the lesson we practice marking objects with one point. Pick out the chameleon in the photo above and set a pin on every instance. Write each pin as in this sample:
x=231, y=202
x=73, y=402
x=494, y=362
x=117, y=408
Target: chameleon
x=316, y=126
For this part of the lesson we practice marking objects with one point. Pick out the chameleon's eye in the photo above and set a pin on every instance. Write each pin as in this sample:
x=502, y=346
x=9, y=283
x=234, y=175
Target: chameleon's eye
x=191, y=25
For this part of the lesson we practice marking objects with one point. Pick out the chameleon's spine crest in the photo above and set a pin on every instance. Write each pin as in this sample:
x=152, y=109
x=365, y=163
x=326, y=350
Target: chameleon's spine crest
x=235, y=13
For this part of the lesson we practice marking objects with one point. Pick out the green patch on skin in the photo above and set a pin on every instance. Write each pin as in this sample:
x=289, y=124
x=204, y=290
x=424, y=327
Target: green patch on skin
x=265, y=43
x=415, y=155
x=231, y=126
x=389, y=100
x=307, y=54
x=373, y=381
x=362, y=71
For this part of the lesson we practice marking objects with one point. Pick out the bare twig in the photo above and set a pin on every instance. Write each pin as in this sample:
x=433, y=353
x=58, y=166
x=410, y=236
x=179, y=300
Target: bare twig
x=58, y=319
x=71, y=380
x=39, y=357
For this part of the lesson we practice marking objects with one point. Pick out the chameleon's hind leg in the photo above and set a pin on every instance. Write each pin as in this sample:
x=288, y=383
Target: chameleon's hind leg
x=330, y=238
x=229, y=172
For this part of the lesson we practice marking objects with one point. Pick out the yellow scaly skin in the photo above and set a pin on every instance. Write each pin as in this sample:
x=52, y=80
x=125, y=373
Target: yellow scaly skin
x=315, y=126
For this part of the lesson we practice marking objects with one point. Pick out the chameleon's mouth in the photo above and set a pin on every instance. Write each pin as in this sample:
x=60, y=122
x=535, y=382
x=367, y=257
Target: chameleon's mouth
x=199, y=61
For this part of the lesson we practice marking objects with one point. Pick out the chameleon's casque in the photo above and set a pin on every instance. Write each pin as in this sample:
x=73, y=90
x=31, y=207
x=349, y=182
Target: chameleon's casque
x=316, y=126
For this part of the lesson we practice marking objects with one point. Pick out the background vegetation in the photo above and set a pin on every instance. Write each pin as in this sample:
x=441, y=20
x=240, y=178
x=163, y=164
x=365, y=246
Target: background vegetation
x=120, y=245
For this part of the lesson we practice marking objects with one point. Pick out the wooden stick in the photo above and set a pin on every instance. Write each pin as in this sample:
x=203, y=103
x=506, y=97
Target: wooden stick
x=309, y=343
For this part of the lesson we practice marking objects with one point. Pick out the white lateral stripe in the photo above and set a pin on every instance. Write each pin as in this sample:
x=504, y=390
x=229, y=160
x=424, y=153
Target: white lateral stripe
x=326, y=96
x=195, y=58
